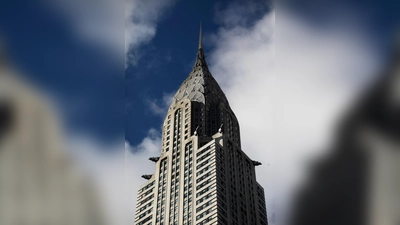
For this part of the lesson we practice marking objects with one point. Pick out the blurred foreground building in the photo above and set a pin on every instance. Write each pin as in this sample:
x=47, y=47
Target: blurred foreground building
x=38, y=183
x=359, y=182
x=202, y=175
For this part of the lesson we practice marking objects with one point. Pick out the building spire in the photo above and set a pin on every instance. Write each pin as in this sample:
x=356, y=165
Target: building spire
x=200, y=59
x=200, y=37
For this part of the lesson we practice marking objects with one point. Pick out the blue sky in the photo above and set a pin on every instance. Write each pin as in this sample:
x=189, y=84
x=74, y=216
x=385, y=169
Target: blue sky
x=43, y=44
x=288, y=72
x=167, y=60
x=83, y=79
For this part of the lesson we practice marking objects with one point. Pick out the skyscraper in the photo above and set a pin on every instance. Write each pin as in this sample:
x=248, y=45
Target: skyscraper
x=202, y=175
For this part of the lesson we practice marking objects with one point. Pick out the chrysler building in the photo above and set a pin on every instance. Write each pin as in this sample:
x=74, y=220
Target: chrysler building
x=202, y=175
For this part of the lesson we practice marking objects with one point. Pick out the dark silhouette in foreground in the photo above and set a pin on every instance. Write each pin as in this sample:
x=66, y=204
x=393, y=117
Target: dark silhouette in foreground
x=343, y=188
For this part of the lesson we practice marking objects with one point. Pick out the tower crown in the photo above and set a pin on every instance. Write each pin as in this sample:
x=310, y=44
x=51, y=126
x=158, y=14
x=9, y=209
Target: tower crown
x=200, y=84
x=206, y=97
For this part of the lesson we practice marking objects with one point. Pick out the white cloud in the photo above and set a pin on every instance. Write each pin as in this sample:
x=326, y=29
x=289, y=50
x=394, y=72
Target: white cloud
x=98, y=23
x=288, y=83
x=105, y=164
x=116, y=171
x=141, y=19
x=160, y=107
x=116, y=26
x=237, y=13
x=137, y=164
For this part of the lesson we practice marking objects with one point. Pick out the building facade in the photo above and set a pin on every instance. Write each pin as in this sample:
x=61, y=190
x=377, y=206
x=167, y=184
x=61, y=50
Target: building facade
x=202, y=175
x=39, y=181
